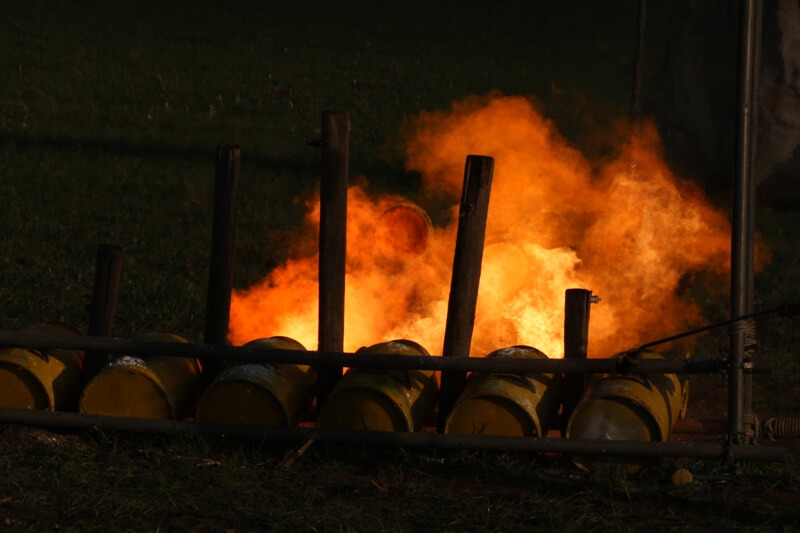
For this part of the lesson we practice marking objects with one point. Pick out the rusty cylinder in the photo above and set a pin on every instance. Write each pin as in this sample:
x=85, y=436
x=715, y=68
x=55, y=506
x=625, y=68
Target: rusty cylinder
x=41, y=379
x=373, y=400
x=158, y=387
x=405, y=228
x=513, y=405
x=260, y=394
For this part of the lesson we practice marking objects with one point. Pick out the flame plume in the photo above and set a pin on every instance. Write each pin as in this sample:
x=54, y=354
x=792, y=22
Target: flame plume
x=628, y=232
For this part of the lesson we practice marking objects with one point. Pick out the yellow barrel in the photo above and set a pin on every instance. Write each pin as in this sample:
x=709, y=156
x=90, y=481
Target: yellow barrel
x=259, y=394
x=514, y=405
x=632, y=407
x=157, y=387
x=405, y=228
x=46, y=380
x=376, y=400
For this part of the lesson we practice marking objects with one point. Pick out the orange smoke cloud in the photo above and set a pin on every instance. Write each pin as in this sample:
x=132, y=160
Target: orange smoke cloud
x=627, y=232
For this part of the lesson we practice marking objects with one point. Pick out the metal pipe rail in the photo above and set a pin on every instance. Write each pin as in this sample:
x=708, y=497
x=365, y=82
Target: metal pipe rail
x=698, y=450
x=624, y=363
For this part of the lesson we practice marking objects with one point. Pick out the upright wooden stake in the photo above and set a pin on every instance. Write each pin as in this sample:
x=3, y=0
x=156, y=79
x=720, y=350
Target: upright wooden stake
x=108, y=271
x=576, y=343
x=332, y=243
x=220, y=274
x=466, y=275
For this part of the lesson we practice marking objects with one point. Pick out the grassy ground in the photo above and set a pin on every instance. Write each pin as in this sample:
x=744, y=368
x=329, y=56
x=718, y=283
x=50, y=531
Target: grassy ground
x=110, y=114
x=104, y=482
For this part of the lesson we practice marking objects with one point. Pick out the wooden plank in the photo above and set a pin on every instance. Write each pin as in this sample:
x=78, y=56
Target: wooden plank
x=576, y=344
x=220, y=274
x=332, y=242
x=466, y=275
x=108, y=271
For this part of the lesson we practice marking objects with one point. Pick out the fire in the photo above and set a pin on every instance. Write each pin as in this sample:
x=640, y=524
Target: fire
x=628, y=232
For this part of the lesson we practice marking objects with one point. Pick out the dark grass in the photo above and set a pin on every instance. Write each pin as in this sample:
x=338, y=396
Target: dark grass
x=110, y=114
x=108, y=482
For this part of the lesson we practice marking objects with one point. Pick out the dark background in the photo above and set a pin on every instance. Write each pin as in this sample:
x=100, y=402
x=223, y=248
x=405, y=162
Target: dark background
x=690, y=82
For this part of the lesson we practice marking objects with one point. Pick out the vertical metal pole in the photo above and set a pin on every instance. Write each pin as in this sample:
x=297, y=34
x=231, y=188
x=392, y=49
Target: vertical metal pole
x=742, y=224
x=576, y=344
x=220, y=274
x=332, y=243
x=108, y=271
x=636, y=103
x=466, y=275
x=750, y=339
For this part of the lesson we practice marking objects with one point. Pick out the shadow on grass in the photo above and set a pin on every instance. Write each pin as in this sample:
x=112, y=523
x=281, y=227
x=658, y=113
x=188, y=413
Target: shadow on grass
x=153, y=150
x=383, y=174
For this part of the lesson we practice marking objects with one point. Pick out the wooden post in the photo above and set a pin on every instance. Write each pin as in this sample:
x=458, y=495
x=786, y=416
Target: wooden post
x=466, y=275
x=332, y=243
x=220, y=274
x=108, y=271
x=576, y=343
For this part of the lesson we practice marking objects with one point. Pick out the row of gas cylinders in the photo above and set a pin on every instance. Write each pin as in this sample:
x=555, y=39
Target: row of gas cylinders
x=621, y=407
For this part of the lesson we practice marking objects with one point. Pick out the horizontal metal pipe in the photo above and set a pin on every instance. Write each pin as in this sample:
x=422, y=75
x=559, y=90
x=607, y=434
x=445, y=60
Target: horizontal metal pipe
x=261, y=354
x=65, y=420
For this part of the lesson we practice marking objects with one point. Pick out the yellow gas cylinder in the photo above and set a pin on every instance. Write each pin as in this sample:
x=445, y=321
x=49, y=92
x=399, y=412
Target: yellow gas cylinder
x=158, y=387
x=259, y=394
x=515, y=405
x=41, y=379
x=401, y=234
x=394, y=400
x=628, y=407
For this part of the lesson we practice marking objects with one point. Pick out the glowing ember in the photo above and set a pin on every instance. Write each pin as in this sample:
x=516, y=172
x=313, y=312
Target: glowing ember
x=627, y=232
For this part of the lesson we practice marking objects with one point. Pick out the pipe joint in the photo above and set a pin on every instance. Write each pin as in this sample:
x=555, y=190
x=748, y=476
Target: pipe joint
x=627, y=362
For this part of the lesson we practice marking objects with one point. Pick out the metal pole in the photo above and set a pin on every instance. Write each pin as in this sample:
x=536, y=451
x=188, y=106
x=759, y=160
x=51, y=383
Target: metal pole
x=374, y=361
x=750, y=338
x=410, y=440
x=466, y=275
x=332, y=243
x=741, y=224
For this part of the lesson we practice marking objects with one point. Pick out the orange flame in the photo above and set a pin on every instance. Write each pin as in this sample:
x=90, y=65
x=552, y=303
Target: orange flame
x=627, y=232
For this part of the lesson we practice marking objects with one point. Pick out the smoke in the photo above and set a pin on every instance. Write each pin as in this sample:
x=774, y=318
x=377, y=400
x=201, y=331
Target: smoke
x=628, y=232
x=779, y=97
